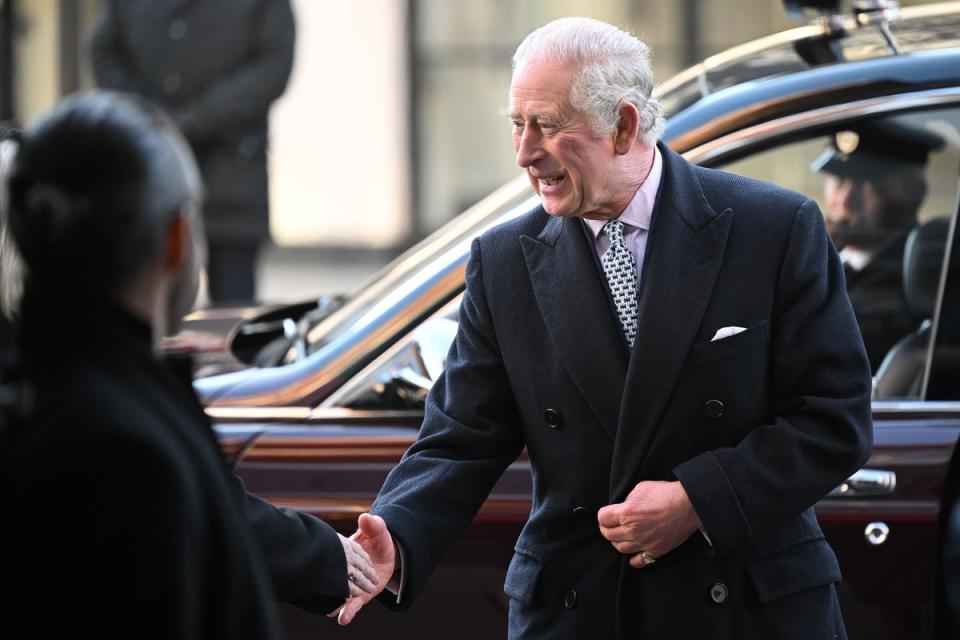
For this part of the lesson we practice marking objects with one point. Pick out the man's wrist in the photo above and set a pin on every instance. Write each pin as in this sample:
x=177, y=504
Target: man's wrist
x=690, y=514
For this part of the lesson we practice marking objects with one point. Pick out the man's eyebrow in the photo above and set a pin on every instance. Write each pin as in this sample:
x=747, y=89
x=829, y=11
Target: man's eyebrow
x=514, y=114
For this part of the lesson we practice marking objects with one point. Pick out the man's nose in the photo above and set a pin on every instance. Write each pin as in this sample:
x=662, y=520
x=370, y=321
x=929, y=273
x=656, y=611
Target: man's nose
x=528, y=148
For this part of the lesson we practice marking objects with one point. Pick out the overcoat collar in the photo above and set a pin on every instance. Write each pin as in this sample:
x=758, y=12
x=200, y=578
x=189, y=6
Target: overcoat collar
x=571, y=295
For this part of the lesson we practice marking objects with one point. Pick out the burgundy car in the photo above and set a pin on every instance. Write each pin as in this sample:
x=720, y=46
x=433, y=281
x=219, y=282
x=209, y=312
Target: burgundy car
x=323, y=397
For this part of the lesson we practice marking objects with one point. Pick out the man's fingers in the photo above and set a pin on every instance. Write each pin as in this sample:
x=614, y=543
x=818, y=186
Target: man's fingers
x=362, y=582
x=368, y=571
x=349, y=611
x=617, y=534
x=609, y=516
x=360, y=554
x=638, y=561
x=362, y=587
x=628, y=547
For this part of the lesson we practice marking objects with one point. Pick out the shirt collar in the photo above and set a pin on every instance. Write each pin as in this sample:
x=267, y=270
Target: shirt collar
x=639, y=211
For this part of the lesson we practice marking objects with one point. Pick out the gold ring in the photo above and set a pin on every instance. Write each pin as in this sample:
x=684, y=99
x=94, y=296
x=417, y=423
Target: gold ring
x=647, y=558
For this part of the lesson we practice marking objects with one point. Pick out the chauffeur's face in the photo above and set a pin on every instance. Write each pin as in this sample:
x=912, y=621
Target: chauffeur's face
x=853, y=212
x=571, y=169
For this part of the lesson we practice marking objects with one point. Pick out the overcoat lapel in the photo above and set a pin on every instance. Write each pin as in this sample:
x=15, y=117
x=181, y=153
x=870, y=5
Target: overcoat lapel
x=687, y=243
x=572, y=300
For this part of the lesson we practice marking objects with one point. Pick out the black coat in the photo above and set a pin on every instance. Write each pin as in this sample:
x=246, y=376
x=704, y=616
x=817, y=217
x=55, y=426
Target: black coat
x=758, y=426
x=120, y=516
x=880, y=302
x=216, y=66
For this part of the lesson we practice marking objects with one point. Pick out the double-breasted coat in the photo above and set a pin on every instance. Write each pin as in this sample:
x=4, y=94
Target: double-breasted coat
x=757, y=426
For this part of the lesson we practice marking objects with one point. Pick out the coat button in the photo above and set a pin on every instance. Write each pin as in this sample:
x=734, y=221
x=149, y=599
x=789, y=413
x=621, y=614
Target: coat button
x=171, y=83
x=552, y=417
x=177, y=29
x=713, y=408
x=580, y=513
x=570, y=600
x=719, y=593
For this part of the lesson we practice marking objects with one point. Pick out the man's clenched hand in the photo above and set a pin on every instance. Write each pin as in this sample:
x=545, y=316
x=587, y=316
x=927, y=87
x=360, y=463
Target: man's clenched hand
x=652, y=521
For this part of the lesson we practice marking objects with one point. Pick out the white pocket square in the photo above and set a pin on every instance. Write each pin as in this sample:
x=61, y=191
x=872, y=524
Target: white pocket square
x=726, y=332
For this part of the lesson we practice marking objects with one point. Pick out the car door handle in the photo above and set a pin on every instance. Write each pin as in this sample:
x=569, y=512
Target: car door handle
x=866, y=483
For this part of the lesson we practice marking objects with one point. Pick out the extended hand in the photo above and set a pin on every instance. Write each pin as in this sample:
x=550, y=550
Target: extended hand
x=361, y=574
x=376, y=540
x=655, y=518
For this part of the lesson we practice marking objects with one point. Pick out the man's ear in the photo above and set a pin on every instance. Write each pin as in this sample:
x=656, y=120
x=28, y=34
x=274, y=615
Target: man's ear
x=628, y=127
x=177, y=245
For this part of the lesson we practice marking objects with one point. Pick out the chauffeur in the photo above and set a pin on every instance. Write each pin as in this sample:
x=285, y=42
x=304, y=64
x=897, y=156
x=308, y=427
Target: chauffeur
x=675, y=349
x=875, y=185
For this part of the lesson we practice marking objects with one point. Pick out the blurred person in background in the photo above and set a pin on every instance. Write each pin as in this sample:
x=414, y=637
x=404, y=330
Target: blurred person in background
x=121, y=517
x=875, y=185
x=216, y=68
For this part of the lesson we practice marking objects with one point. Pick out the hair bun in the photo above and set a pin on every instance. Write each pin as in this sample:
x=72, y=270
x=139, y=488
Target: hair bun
x=47, y=200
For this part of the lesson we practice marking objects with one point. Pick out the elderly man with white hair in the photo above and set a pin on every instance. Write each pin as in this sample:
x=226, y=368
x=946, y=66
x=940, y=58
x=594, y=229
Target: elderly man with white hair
x=674, y=348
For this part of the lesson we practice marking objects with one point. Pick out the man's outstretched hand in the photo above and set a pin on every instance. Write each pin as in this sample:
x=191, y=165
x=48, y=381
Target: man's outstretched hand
x=376, y=540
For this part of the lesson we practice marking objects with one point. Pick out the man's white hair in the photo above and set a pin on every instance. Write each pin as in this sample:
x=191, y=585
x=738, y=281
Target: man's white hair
x=612, y=67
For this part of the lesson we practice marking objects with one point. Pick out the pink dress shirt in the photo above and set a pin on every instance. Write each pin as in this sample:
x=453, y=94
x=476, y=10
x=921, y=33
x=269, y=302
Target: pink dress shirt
x=635, y=218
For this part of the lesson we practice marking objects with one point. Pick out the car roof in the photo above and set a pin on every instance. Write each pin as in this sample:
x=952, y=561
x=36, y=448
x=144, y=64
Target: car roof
x=834, y=59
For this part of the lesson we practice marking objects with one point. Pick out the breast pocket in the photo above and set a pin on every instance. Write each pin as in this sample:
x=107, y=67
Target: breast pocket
x=730, y=346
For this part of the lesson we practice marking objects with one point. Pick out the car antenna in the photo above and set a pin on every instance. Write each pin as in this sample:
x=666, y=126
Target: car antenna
x=880, y=14
x=826, y=48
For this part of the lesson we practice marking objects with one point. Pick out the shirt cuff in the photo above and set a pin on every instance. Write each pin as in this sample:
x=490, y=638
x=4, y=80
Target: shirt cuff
x=395, y=585
x=703, y=532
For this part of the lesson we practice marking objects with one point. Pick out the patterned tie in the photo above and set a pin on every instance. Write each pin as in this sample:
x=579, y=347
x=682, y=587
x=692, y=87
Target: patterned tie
x=621, y=272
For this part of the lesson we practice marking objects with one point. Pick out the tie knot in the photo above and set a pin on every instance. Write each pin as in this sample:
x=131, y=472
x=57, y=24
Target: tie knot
x=614, y=231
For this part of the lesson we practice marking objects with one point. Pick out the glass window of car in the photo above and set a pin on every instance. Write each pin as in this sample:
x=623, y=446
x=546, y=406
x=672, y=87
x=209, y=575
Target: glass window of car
x=888, y=189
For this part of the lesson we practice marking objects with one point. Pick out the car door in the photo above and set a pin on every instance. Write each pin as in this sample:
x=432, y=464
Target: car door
x=886, y=522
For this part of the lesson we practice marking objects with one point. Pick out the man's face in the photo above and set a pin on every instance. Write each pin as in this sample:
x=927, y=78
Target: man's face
x=853, y=213
x=571, y=169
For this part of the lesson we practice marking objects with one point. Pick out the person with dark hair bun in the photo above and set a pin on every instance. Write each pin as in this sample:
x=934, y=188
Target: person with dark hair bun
x=120, y=516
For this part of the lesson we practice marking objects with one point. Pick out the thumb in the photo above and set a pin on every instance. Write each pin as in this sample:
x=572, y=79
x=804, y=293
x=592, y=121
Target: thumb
x=371, y=526
x=374, y=535
x=349, y=611
x=609, y=516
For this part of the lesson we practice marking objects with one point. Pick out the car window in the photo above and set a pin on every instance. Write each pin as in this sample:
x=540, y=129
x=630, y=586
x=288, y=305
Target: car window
x=887, y=188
